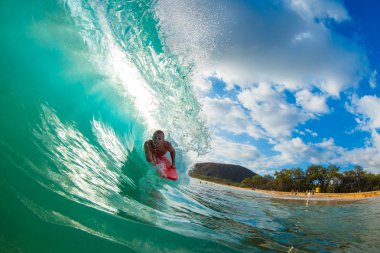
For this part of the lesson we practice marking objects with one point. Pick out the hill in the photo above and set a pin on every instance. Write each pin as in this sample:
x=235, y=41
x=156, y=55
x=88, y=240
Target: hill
x=220, y=172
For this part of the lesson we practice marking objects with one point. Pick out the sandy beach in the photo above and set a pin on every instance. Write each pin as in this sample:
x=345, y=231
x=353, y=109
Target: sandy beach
x=353, y=195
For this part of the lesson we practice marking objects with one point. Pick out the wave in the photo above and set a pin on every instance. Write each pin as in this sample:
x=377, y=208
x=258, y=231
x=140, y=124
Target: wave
x=97, y=80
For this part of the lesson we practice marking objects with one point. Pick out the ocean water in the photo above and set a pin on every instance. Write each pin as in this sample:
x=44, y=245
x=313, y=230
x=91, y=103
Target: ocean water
x=82, y=85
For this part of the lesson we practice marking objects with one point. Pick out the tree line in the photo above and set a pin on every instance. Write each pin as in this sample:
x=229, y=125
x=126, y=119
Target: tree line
x=328, y=179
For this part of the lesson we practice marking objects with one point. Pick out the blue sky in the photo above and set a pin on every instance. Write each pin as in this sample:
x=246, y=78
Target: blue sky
x=283, y=83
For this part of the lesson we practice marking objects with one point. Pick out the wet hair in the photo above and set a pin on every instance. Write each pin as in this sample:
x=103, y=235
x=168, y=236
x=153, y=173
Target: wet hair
x=158, y=132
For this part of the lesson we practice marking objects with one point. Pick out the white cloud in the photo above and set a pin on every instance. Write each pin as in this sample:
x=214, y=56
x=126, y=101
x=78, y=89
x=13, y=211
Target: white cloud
x=367, y=157
x=321, y=9
x=312, y=133
x=295, y=150
x=269, y=108
x=372, y=80
x=366, y=110
x=302, y=36
x=291, y=151
x=228, y=115
x=310, y=102
x=227, y=151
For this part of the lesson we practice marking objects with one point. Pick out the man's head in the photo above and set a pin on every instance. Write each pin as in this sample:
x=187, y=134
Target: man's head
x=158, y=138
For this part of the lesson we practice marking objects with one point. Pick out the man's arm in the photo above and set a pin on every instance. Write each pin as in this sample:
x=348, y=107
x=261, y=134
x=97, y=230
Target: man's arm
x=172, y=153
x=148, y=152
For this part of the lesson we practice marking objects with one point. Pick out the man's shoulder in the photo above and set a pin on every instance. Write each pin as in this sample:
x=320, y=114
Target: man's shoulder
x=167, y=143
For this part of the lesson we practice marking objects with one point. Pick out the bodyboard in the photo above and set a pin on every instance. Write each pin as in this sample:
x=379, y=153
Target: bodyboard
x=166, y=169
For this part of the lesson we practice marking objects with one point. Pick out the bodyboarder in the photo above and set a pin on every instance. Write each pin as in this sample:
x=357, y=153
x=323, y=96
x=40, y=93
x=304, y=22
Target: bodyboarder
x=155, y=150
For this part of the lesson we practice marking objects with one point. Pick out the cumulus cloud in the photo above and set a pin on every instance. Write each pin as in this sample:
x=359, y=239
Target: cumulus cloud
x=295, y=150
x=269, y=108
x=366, y=110
x=228, y=115
x=292, y=151
x=312, y=102
x=227, y=151
x=367, y=114
x=368, y=158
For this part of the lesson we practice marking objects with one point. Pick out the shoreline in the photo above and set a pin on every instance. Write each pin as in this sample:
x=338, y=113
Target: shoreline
x=351, y=195
x=301, y=195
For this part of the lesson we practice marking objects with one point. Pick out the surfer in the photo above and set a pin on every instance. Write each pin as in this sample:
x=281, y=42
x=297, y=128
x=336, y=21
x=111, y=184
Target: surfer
x=156, y=148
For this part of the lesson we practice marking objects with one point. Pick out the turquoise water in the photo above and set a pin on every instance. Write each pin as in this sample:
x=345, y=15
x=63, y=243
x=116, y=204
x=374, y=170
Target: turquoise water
x=82, y=85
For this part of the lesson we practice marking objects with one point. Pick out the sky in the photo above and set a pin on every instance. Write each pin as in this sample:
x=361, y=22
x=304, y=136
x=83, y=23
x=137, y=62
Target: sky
x=283, y=83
